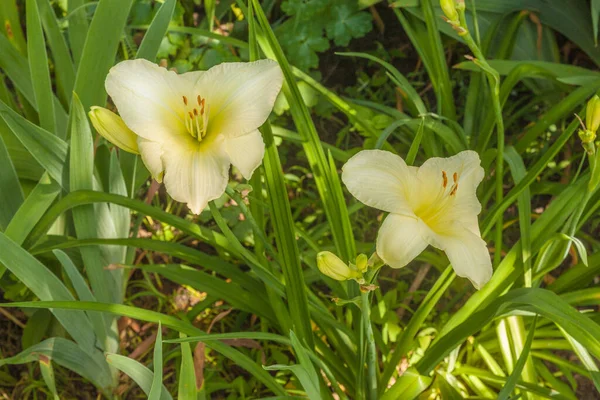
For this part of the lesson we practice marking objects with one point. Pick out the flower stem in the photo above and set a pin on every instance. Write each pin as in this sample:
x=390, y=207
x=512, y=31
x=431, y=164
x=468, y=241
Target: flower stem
x=371, y=349
x=494, y=81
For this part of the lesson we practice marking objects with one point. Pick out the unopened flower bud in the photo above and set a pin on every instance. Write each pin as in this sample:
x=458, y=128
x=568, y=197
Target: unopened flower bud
x=113, y=128
x=362, y=262
x=449, y=9
x=329, y=264
x=592, y=115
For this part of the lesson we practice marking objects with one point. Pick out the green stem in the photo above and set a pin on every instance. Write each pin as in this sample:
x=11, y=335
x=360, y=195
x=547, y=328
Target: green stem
x=494, y=81
x=371, y=349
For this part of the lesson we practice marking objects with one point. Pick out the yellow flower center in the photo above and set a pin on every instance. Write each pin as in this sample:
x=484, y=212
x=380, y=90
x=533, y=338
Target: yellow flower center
x=196, y=117
x=433, y=211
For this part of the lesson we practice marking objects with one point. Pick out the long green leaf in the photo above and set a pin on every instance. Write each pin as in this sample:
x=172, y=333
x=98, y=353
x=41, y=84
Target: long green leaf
x=49, y=150
x=45, y=285
x=11, y=193
x=66, y=353
x=38, y=66
x=187, y=374
x=99, y=51
x=157, y=361
x=138, y=372
x=153, y=37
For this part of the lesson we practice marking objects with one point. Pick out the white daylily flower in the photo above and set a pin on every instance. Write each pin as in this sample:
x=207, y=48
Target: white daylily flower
x=435, y=204
x=191, y=127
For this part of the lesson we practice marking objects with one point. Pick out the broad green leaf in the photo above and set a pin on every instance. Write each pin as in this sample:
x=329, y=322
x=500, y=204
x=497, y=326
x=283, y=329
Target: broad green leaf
x=85, y=218
x=99, y=51
x=408, y=386
x=136, y=371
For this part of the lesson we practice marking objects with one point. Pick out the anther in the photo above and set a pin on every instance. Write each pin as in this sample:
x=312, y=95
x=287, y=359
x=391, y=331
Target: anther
x=455, y=177
x=454, y=189
x=195, y=112
x=445, y=178
x=185, y=100
x=199, y=100
x=191, y=115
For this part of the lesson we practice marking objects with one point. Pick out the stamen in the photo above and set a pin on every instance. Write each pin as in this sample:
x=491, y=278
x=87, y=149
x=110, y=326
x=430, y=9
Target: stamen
x=191, y=115
x=454, y=189
x=184, y=100
x=199, y=100
x=195, y=112
x=445, y=178
x=455, y=177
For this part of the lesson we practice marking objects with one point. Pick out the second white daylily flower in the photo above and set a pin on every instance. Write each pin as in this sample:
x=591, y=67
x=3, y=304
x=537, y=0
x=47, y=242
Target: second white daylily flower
x=191, y=127
x=435, y=204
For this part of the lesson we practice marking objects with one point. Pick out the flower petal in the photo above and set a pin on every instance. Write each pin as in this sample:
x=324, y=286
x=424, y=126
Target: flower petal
x=151, y=153
x=468, y=254
x=379, y=179
x=246, y=152
x=195, y=172
x=401, y=239
x=149, y=98
x=192, y=77
x=240, y=95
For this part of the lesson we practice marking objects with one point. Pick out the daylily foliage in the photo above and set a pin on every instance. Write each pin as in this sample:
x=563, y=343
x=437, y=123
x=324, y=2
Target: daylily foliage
x=435, y=204
x=191, y=127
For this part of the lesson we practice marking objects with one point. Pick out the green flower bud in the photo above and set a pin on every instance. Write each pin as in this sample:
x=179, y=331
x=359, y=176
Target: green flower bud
x=112, y=128
x=592, y=115
x=362, y=262
x=449, y=9
x=329, y=264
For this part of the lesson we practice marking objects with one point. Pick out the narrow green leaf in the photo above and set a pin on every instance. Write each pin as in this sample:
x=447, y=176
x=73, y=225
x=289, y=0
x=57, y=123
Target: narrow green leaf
x=187, y=374
x=169, y=321
x=11, y=193
x=63, y=63
x=66, y=353
x=157, y=361
x=45, y=285
x=39, y=69
x=32, y=209
x=512, y=380
x=49, y=150
x=48, y=375
x=157, y=30
x=136, y=371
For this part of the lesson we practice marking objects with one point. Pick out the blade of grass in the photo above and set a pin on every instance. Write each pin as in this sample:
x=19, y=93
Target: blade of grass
x=136, y=371
x=11, y=193
x=157, y=361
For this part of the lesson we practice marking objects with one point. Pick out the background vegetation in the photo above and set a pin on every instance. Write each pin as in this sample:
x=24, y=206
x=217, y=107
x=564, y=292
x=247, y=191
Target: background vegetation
x=98, y=264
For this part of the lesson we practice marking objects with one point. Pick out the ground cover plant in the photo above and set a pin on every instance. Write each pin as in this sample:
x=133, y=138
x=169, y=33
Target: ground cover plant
x=299, y=198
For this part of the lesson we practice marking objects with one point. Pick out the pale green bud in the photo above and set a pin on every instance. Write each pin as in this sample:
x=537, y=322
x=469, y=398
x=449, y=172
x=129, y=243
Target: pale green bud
x=113, y=128
x=592, y=115
x=329, y=264
x=449, y=9
x=362, y=262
